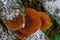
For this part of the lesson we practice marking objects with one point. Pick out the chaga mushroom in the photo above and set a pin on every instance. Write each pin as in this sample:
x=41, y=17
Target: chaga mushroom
x=46, y=21
x=16, y=23
x=32, y=22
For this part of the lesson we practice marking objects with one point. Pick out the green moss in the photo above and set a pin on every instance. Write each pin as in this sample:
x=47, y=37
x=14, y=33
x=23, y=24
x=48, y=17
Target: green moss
x=56, y=36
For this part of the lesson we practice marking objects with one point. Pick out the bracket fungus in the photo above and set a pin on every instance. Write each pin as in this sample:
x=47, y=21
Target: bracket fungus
x=46, y=21
x=32, y=22
x=16, y=23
